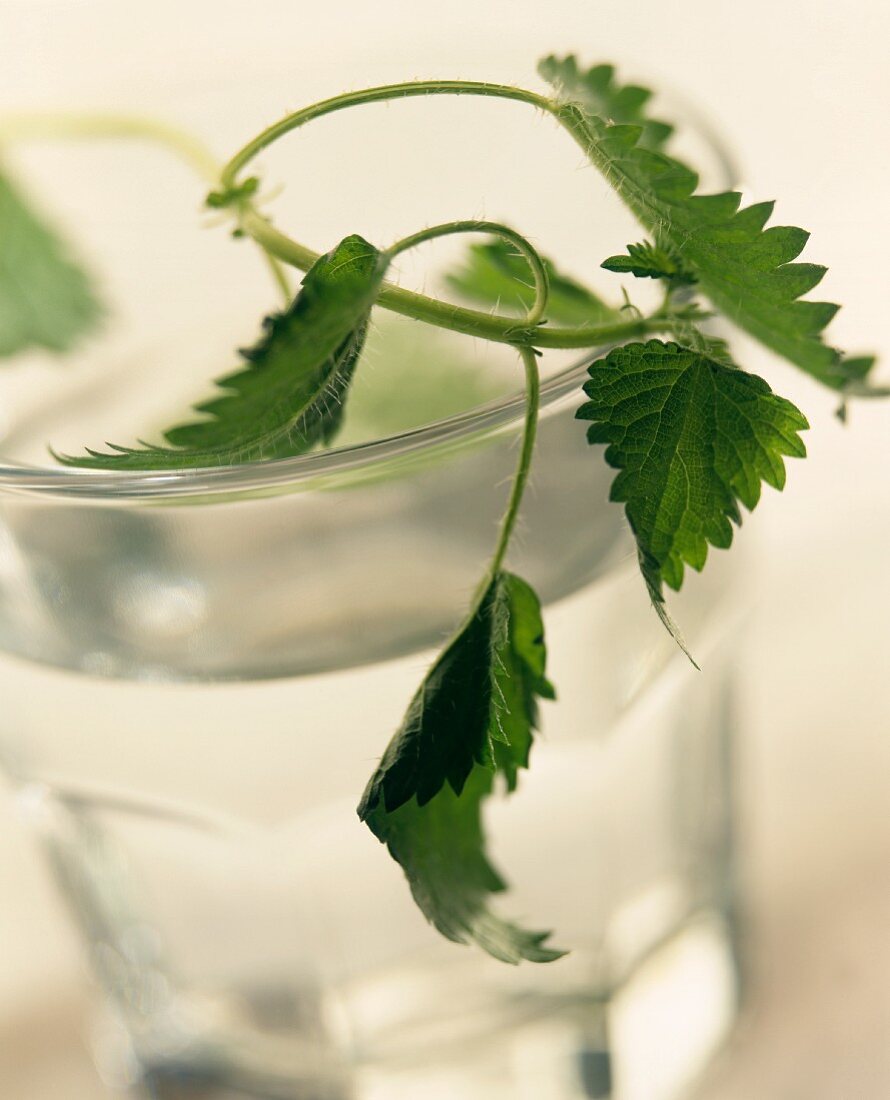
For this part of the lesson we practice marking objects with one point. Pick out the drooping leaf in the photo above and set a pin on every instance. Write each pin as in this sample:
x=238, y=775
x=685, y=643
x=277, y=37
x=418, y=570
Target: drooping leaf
x=741, y=266
x=291, y=394
x=693, y=438
x=598, y=91
x=495, y=275
x=472, y=718
x=447, y=727
x=520, y=677
x=648, y=261
x=46, y=300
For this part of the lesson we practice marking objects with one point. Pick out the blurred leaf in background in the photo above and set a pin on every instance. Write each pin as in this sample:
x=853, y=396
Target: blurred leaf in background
x=46, y=299
x=413, y=375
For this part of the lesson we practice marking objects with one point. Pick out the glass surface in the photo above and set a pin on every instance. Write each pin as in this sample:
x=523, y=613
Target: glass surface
x=246, y=927
x=199, y=672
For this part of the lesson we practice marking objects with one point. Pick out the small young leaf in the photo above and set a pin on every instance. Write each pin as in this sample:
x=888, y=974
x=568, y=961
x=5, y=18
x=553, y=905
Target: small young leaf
x=291, y=394
x=233, y=196
x=495, y=275
x=473, y=716
x=600, y=93
x=45, y=299
x=742, y=267
x=648, y=261
x=692, y=436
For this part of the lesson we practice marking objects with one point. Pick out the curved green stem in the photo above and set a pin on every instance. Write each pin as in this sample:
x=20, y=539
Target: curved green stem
x=470, y=322
x=278, y=247
x=539, y=271
x=379, y=94
x=527, y=354
x=92, y=125
x=83, y=125
x=434, y=311
x=523, y=466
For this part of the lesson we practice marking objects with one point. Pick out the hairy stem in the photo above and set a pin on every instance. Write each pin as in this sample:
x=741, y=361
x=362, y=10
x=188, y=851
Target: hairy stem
x=523, y=466
x=433, y=311
x=539, y=272
x=529, y=362
x=89, y=125
x=372, y=95
x=99, y=125
x=527, y=354
x=470, y=322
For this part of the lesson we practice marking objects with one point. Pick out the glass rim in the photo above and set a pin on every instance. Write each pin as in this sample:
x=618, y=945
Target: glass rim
x=494, y=416
x=278, y=474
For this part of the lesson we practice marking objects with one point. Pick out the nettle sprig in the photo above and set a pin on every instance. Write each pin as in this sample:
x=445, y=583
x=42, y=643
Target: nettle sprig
x=692, y=435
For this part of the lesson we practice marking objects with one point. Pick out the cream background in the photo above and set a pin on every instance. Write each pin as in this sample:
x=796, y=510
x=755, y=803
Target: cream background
x=801, y=87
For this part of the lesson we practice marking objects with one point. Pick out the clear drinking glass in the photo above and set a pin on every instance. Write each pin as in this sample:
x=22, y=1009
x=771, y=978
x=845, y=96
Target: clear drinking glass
x=200, y=670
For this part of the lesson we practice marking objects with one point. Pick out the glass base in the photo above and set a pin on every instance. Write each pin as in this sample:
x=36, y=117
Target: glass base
x=649, y=1039
x=250, y=955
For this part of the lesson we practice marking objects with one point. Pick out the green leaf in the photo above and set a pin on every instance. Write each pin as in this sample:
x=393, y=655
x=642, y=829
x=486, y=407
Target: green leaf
x=693, y=437
x=473, y=717
x=45, y=299
x=648, y=261
x=291, y=394
x=495, y=275
x=741, y=266
x=597, y=90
